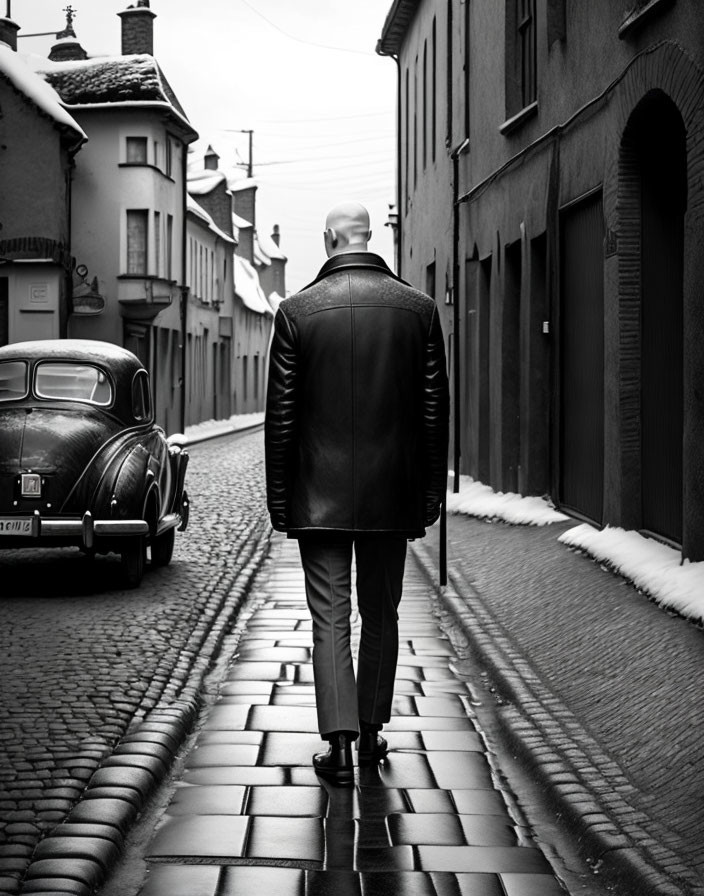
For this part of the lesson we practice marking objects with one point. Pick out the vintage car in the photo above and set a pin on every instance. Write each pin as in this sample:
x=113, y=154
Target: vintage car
x=82, y=461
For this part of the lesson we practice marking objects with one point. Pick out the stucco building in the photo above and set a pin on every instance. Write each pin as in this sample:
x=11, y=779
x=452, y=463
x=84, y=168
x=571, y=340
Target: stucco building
x=550, y=197
x=120, y=241
x=38, y=143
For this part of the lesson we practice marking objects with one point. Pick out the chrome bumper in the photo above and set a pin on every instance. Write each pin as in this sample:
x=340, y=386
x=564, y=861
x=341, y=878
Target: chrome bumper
x=86, y=528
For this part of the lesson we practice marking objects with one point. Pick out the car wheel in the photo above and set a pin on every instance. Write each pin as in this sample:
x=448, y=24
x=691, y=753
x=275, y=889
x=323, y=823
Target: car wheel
x=163, y=548
x=132, y=559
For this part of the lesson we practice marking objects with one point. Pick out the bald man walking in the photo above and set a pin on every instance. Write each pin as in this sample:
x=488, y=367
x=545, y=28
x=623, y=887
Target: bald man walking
x=356, y=440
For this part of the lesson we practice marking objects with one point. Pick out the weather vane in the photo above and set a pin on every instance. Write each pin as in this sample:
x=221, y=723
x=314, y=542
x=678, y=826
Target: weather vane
x=70, y=15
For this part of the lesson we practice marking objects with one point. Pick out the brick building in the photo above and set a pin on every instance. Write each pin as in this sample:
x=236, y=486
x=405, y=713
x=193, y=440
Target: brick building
x=550, y=197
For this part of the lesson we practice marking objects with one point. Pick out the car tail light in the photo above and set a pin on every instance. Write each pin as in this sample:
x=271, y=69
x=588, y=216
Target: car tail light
x=31, y=485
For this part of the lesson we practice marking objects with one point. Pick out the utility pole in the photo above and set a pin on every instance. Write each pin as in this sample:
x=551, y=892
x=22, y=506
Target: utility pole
x=250, y=160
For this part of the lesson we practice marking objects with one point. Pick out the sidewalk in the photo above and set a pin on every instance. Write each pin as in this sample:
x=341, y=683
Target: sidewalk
x=598, y=691
x=250, y=816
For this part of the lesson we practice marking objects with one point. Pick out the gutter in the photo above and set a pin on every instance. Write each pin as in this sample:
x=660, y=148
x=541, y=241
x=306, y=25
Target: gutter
x=399, y=157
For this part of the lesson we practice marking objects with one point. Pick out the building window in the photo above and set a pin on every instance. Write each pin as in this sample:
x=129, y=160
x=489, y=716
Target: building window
x=434, y=88
x=450, y=72
x=521, y=70
x=467, y=59
x=157, y=244
x=136, y=150
x=557, y=21
x=415, y=124
x=137, y=243
x=169, y=247
x=425, y=104
x=169, y=157
x=408, y=135
x=526, y=36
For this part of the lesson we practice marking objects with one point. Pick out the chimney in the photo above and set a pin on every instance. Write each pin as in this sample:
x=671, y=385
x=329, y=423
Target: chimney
x=276, y=235
x=8, y=33
x=67, y=46
x=138, y=29
x=212, y=159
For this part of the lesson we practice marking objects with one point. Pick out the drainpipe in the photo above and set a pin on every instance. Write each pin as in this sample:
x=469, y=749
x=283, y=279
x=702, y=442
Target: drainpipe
x=456, y=368
x=399, y=169
x=184, y=285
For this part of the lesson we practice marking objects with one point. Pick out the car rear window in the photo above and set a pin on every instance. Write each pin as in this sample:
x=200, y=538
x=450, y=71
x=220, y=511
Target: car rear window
x=13, y=380
x=72, y=382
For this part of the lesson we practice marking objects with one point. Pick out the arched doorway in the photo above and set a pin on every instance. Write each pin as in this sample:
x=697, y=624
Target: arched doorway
x=655, y=184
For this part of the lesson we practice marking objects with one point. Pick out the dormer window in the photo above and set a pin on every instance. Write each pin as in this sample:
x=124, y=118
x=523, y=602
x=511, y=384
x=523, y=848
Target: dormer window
x=136, y=150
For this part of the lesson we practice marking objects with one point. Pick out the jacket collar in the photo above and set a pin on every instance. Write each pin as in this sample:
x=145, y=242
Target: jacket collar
x=349, y=260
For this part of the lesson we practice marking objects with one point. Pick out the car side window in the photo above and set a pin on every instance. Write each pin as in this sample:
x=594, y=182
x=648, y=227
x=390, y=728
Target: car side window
x=72, y=382
x=141, y=396
x=13, y=380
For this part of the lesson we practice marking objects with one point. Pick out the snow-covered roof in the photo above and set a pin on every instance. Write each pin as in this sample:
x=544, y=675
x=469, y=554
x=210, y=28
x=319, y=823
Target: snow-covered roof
x=130, y=79
x=243, y=183
x=198, y=211
x=248, y=288
x=204, y=181
x=240, y=222
x=14, y=67
x=260, y=257
x=269, y=247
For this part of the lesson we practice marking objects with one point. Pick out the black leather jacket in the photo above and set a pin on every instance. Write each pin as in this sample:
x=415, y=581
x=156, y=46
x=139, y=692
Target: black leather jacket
x=356, y=429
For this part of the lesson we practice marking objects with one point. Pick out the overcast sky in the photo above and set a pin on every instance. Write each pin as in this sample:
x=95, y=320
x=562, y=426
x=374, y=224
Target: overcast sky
x=302, y=74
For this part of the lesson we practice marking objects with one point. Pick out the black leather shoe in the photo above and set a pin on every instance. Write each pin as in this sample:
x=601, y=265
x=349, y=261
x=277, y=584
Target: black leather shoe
x=372, y=747
x=335, y=765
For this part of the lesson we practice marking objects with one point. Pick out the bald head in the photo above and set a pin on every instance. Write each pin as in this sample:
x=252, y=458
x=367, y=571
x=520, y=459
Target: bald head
x=347, y=229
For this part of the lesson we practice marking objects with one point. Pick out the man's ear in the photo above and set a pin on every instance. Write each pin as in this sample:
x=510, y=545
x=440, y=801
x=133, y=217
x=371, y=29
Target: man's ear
x=330, y=239
x=369, y=236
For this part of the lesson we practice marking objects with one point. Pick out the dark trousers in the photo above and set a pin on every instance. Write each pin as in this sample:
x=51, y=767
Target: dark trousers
x=341, y=700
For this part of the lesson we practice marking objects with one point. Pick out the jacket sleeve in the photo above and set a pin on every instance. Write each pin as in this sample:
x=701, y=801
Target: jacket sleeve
x=280, y=421
x=436, y=412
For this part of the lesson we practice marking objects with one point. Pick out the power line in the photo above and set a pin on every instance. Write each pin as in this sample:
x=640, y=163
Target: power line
x=300, y=40
x=321, y=161
x=325, y=118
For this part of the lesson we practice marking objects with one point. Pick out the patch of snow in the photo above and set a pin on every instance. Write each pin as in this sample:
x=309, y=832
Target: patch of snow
x=653, y=567
x=236, y=182
x=476, y=499
x=202, y=182
x=260, y=256
x=248, y=288
x=240, y=222
x=269, y=247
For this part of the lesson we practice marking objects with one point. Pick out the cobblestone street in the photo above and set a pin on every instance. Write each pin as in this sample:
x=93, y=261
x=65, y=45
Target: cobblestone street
x=249, y=815
x=82, y=662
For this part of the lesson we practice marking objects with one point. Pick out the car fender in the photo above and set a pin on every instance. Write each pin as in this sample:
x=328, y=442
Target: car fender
x=131, y=485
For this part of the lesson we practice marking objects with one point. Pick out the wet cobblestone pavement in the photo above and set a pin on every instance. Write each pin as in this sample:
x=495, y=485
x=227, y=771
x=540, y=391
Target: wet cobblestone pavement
x=84, y=663
x=249, y=814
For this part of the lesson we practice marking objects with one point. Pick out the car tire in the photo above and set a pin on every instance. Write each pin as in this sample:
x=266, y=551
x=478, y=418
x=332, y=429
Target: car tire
x=132, y=559
x=162, y=547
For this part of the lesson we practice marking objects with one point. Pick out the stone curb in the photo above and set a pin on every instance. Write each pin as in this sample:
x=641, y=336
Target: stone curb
x=583, y=784
x=76, y=857
x=216, y=434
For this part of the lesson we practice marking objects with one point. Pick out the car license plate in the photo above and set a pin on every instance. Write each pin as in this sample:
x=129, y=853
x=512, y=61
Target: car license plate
x=15, y=527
